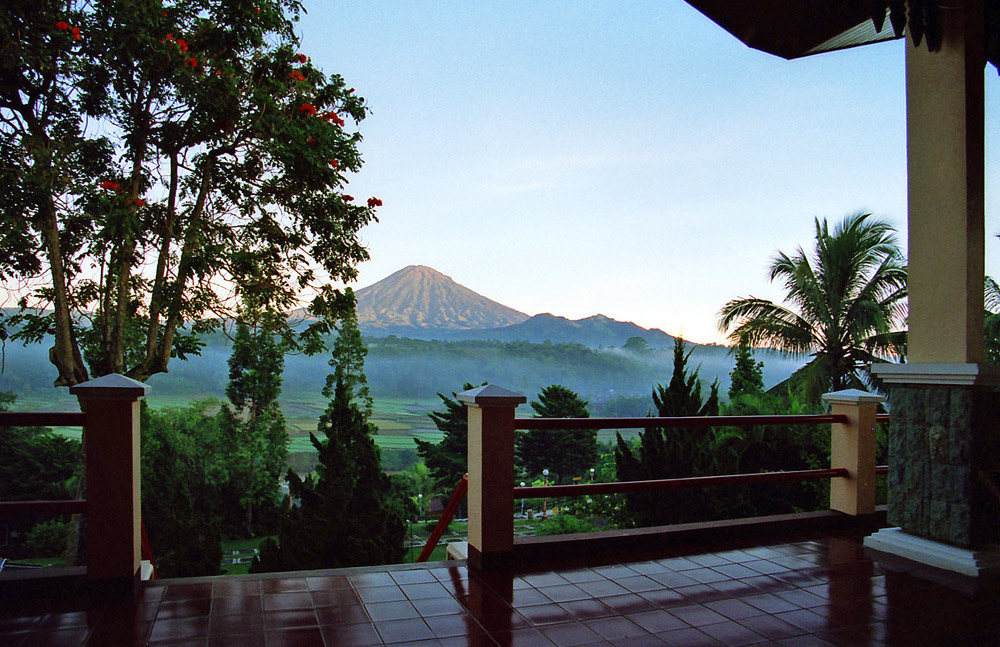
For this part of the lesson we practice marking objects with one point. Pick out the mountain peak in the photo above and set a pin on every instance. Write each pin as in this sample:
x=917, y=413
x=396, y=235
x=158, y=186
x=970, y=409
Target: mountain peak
x=420, y=297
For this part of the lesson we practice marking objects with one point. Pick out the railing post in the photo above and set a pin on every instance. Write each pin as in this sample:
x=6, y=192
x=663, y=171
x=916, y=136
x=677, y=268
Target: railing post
x=852, y=446
x=111, y=407
x=491, y=473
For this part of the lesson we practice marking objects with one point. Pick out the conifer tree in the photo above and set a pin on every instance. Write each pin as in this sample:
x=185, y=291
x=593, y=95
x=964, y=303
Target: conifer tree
x=747, y=377
x=671, y=453
x=566, y=452
x=343, y=516
x=255, y=427
x=448, y=459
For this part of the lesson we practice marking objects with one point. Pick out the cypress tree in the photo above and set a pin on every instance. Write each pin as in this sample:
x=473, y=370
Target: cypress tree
x=254, y=426
x=671, y=453
x=747, y=377
x=344, y=516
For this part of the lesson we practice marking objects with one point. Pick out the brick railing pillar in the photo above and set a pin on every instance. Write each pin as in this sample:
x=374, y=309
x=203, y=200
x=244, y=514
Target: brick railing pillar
x=852, y=446
x=111, y=407
x=491, y=473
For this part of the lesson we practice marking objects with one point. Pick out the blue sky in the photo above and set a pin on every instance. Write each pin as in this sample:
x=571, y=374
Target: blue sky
x=630, y=159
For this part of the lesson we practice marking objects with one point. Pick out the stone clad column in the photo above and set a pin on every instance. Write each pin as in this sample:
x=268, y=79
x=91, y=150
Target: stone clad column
x=111, y=407
x=491, y=473
x=944, y=429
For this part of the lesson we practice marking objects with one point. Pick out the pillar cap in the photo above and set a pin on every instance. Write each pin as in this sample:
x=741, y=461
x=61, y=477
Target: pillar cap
x=853, y=396
x=938, y=374
x=490, y=395
x=110, y=387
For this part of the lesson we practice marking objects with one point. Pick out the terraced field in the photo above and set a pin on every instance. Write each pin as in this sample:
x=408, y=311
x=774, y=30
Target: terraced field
x=398, y=421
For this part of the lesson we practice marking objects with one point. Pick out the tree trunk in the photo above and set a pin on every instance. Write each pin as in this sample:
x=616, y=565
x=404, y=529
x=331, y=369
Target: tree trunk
x=64, y=354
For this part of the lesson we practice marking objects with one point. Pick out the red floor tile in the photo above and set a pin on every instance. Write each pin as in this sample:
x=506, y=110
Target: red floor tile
x=809, y=591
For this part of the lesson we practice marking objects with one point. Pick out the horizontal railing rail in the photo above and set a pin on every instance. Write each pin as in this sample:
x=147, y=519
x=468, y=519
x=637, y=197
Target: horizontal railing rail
x=622, y=487
x=42, y=508
x=533, y=424
x=41, y=419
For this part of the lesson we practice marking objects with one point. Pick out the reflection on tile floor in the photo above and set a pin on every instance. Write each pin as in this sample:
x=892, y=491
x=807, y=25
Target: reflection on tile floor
x=818, y=590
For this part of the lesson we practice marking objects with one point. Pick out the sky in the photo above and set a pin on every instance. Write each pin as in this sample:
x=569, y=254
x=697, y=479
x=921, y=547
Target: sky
x=624, y=158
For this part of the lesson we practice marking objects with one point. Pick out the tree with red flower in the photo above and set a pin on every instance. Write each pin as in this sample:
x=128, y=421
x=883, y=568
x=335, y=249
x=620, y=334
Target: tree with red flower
x=215, y=126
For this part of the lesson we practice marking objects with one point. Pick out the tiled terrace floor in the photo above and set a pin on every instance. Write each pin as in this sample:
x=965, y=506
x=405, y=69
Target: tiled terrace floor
x=816, y=590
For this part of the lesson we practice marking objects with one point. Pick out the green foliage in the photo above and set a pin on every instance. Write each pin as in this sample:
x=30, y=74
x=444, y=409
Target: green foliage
x=398, y=460
x=255, y=428
x=565, y=453
x=348, y=358
x=772, y=448
x=671, y=453
x=563, y=524
x=343, y=517
x=448, y=459
x=991, y=324
x=637, y=345
x=47, y=538
x=151, y=154
x=184, y=488
x=747, y=377
x=37, y=463
x=344, y=514
x=848, y=300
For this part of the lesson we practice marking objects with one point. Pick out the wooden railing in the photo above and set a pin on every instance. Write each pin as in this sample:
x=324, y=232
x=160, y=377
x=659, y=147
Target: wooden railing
x=110, y=422
x=492, y=426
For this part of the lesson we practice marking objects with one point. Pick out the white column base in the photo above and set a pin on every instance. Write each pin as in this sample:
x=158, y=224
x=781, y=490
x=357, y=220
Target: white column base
x=973, y=563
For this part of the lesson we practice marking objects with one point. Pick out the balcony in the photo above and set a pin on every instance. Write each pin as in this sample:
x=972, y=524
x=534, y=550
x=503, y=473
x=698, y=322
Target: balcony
x=804, y=588
x=803, y=579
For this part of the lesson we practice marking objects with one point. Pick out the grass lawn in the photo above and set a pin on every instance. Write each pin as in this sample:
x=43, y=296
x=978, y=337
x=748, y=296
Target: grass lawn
x=244, y=546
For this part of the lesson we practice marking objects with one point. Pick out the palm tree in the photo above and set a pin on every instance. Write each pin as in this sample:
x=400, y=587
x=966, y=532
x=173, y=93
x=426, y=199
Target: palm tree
x=846, y=304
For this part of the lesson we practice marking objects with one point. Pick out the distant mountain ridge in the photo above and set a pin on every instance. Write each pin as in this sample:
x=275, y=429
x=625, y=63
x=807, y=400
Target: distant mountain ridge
x=597, y=330
x=419, y=298
x=422, y=303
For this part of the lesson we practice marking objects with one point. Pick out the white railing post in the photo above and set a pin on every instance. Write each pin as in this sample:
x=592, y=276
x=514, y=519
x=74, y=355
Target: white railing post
x=111, y=407
x=491, y=473
x=852, y=446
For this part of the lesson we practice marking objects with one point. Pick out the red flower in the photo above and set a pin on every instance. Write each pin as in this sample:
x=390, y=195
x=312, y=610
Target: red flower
x=311, y=140
x=347, y=198
x=374, y=202
x=139, y=202
x=76, y=33
x=350, y=91
x=193, y=62
x=182, y=44
x=170, y=36
x=334, y=163
x=334, y=117
x=307, y=108
x=258, y=9
x=164, y=14
x=110, y=185
x=302, y=58
x=62, y=25
x=296, y=75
